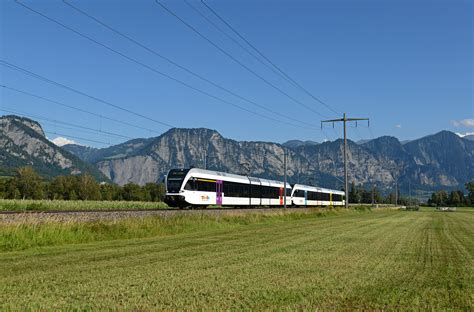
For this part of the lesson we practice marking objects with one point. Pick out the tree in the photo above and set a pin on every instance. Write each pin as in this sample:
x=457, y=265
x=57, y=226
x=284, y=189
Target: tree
x=11, y=190
x=132, y=192
x=470, y=189
x=88, y=188
x=154, y=192
x=110, y=192
x=438, y=198
x=57, y=188
x=3, y=187
x=454, y=199
x=365, y=195
x=390, y=199
x=29, y=183
x=377, y=196
x=354, y=194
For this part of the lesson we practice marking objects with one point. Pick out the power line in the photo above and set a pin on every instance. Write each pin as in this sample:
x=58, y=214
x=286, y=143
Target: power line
x=371, y=133
x=235, y=41
x=167, y=59
x=326, y=135
x=78, y=109
x=236, y=60
x=269, y=61
x=77, y=138
x=151, y=69
x=30, y=73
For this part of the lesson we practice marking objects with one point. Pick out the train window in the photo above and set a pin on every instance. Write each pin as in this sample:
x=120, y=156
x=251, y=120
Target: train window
x=299, y=193
x=270, y=192
x=255, y=190
x=190, y=185
x=205, y=186
x=233, y=189
x=325, y=196
x=174, y=185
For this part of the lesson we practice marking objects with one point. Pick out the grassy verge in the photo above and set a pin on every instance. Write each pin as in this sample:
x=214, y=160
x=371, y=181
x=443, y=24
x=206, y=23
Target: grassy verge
x=30, y=233
x=385, y=260
x=84, y=205
x=66, y=205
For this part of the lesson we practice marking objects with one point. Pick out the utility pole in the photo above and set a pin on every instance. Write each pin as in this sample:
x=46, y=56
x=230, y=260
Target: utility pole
x=344, y=119
x=396, y=192
x=373, y=194
x=409, y=193
x=284, y=187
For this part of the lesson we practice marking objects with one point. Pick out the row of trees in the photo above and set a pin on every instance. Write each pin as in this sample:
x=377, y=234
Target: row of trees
x=454, y=198
x=27, y=184
x=358, y=194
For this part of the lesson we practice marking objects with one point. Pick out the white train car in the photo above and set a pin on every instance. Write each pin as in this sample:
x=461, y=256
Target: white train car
x=304, y=195
x=199, y=187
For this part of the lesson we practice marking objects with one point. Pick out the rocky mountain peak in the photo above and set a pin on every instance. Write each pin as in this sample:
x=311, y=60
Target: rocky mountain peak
x=7, y=120
x=24, y=143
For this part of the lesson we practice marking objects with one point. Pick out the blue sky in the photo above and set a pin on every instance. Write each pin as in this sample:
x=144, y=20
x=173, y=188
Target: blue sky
x=408, y=65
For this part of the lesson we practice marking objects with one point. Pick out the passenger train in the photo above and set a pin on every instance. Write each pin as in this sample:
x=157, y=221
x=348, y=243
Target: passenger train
x=201, y=188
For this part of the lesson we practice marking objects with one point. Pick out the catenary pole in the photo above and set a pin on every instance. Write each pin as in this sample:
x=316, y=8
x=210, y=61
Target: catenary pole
x=346, y=183
x=284, y=187
x=344, y=119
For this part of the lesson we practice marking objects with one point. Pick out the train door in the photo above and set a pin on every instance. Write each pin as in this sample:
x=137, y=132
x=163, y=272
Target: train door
x=266, y=197
x=330, y=199
x=281, y=195
x=306, y=198
x=219, y=192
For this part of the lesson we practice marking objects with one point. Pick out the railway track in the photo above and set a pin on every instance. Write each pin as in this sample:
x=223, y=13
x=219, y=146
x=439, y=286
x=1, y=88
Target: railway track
x=97, y=215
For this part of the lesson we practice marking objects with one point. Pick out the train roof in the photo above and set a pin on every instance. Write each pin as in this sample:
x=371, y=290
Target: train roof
x=317, y=189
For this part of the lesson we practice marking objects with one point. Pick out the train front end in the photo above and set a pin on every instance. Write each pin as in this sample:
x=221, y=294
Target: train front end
x=174, y=188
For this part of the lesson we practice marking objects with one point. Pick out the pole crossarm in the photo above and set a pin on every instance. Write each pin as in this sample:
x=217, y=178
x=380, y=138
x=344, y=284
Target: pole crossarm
x=332, y=120
x=344, y=119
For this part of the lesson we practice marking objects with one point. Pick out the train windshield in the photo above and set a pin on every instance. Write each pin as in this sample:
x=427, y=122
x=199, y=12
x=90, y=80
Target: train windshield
x=175, y=179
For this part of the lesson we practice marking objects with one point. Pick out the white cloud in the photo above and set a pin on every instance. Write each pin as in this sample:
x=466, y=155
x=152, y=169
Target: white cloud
x=468, y=123
x=462, y=135
x=60, y=141
x=398, y=126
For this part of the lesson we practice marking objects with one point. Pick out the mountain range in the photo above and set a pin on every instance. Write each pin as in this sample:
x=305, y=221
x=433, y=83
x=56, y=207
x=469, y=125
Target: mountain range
x=442, y=160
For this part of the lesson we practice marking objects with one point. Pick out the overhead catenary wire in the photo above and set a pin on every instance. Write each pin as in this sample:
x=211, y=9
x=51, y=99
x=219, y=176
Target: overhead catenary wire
x=30, y=73
x=295, y=83
x=174, y=63
x=133, y=60
x=210, y=22
x=78, y=109
x=77, y=138
x=236, y=60
x=357, y=132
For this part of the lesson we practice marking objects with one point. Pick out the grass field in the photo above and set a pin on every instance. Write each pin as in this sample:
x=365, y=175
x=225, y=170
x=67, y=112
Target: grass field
x=62, y=205
x=344, y=260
